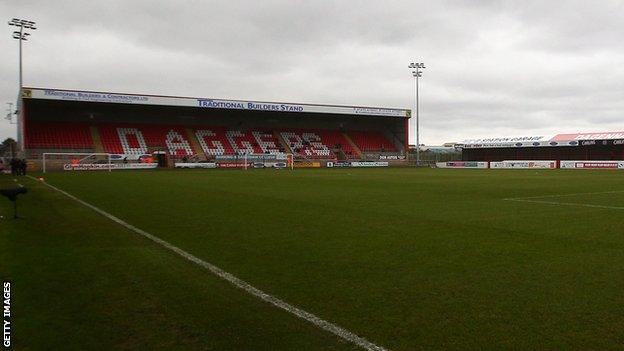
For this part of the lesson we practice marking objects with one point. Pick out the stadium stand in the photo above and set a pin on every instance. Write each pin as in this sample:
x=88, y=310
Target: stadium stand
x=60, y=124
x=336, y=141
x=307, y=143
x=372, y=141
x=213, y=141
x=219, y=141
x=243, y=142
x=267, y=142
x=138, y=139
x=141, y=139
x=62, y=135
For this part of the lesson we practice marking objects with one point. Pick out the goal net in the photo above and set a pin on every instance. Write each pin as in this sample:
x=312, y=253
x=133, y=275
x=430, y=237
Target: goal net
x=279, y=161
x=94, y=161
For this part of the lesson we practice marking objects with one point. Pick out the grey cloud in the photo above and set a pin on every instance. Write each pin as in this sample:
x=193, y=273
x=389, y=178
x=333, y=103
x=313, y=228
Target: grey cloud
x=493, y=67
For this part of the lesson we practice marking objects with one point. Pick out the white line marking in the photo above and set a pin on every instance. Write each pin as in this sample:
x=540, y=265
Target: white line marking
x=562, y=195
x=241, y=284
x=532, y=199
x=566, y=204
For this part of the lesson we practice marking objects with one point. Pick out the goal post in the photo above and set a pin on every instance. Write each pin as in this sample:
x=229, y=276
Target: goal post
x=93, y=161
x=290, y=161
x=76, y=158
x=279, y=161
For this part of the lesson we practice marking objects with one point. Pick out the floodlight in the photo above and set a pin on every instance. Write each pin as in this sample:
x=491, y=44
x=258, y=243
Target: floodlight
x=21, y=35
x=417, y=73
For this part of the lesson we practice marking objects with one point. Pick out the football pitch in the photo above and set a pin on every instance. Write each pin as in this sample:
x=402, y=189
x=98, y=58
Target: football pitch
x=407, y=259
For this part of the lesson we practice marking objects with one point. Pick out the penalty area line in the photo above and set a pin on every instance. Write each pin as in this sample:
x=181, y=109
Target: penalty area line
x=237, y=282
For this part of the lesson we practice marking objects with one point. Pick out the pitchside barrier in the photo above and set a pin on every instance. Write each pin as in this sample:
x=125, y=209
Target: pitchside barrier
x=518, y=164
x=195, y=165
x=531, y=164
x=592, y=164
x=247, y=164
x=256, y=162
x=81, y=161
x=77, y=161
x=462, y=164
x=357, y=164
x=230, y=165
x=94, y=161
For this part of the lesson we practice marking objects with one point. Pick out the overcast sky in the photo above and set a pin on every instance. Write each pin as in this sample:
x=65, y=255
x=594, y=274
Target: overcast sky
x=493, y=68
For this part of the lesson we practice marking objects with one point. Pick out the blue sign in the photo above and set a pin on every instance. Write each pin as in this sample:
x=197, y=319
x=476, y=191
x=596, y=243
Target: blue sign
x=244, y=105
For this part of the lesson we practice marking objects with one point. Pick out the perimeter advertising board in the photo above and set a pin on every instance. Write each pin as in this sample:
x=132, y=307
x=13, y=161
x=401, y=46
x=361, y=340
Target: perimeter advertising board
x=392, y=157
x=462, y=164
x=369, y=164
x=338, y=164
x=592, y=164
x=106, y=166
x=234, y=164
x=196, y=165
x=524, y=164
x=307, y=165
x=251, y=157
x=270, y=165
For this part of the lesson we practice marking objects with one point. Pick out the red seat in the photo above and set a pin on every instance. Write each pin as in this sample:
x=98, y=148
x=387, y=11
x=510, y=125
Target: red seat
x=135, y=138
x=58, y=135
x=372, y=141
x=142, y=138
x=310, y=143
x=336, y=140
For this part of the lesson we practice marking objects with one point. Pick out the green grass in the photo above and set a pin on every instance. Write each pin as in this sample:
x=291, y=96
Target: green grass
x=409, y=259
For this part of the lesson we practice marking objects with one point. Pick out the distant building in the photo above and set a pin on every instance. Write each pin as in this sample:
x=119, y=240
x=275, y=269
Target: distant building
x=574, y=146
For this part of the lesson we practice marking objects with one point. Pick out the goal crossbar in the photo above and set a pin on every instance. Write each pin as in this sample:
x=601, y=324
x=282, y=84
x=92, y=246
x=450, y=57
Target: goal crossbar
x=85, y=154
x=289, y=159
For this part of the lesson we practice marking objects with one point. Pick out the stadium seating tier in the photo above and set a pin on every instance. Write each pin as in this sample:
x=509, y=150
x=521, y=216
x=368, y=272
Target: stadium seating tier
x=372, y=141
x=58, y=135
x=130, y=138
